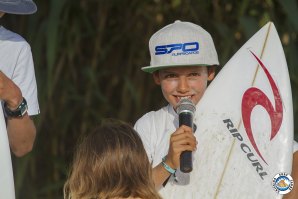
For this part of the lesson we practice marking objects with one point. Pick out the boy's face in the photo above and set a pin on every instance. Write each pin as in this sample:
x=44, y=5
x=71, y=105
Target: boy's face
x=179, y=82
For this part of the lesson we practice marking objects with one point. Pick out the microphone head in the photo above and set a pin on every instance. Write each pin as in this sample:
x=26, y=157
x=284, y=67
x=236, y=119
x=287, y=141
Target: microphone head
x=185, y=105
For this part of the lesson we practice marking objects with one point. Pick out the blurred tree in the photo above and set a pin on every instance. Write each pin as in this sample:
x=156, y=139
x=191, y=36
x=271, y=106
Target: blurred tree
x=88, y=56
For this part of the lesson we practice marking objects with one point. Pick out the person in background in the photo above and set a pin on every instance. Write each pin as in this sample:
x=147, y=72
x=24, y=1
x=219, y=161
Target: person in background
x=18, y=89
x=110, y=163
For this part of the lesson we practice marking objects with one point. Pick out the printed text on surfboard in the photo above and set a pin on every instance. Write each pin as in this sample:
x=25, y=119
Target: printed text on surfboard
x=246, y=149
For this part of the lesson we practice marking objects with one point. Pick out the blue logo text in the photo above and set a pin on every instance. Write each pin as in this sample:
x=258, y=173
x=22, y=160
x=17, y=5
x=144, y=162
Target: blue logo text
x=182, y=48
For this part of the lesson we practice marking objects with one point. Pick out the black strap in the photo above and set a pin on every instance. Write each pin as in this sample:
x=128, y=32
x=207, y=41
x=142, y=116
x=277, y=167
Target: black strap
x=194, y=128
x=166, y=181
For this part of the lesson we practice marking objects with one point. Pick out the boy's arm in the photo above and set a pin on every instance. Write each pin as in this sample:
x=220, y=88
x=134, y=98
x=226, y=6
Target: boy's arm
x=294, y=193
x=21, y=131
x=181, y=140
x=159, y=175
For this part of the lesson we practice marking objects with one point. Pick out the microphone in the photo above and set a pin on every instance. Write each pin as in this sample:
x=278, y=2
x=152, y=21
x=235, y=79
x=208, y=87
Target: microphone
x=186, y=110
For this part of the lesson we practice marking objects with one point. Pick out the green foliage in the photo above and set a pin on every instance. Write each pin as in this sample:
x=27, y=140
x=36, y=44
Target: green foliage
x=88, y=56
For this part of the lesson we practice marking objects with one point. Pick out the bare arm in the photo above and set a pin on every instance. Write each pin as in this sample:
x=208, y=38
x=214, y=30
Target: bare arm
x=160, y=174
x=21, y=131
x=294, y=193
x=21, y=135
x=181, y=140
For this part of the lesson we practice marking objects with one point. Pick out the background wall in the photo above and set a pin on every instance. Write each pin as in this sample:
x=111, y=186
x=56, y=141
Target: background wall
x=88, y=55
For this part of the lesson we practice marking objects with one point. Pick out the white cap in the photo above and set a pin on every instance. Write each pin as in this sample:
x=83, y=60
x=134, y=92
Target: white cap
x=18, y=6
x=181, y=44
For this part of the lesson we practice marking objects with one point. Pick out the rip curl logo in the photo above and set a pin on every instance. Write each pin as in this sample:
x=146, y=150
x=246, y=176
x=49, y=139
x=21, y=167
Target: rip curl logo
x=253, y=97
x=246, y=149
x=178, y=49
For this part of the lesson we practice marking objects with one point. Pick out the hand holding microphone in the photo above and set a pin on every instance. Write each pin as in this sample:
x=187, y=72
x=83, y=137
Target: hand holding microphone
x=185, y=110
x=182, y=141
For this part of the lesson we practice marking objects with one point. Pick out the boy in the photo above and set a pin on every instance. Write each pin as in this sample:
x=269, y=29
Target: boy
x=18, y=90
x=183, y=60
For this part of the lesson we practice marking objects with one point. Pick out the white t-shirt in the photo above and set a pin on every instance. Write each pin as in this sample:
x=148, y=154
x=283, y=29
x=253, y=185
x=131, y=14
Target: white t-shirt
x=155, y=129
x=17, y=64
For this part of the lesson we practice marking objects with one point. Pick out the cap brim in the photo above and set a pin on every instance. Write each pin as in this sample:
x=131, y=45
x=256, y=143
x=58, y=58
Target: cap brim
x=151, y=69
x=23, y=8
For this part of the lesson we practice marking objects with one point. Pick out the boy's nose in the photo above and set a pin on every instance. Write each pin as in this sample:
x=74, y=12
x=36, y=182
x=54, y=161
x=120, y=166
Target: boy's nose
x=183, y=86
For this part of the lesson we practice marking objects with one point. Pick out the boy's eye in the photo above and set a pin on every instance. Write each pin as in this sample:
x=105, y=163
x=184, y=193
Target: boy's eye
x=170, y=76
x=194, y=74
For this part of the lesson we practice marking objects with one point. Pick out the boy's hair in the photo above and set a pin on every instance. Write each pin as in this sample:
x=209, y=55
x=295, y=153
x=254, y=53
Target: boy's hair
x=111, y=162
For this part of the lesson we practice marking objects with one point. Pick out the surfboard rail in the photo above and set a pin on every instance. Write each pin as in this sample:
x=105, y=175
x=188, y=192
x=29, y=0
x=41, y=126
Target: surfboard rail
x=6, y=176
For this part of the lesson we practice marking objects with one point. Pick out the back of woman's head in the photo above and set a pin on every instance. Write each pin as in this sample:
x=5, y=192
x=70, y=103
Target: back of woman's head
x=111, y=162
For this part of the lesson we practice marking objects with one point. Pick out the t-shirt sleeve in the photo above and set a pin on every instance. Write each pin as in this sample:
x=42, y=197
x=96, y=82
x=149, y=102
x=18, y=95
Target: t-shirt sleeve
x=142, y=126
x=24, y=77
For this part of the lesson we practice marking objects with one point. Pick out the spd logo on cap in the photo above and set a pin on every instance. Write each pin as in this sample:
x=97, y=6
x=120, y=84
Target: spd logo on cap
x=180, y=49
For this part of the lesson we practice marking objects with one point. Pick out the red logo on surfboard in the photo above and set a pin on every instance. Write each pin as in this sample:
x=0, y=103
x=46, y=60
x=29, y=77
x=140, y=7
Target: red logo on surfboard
x=253, y=97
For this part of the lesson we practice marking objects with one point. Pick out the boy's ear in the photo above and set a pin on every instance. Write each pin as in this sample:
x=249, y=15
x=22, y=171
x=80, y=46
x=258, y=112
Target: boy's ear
x=211, y=72
x=156, y=77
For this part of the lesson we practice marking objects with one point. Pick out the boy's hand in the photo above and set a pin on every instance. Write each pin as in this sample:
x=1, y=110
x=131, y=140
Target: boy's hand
x=9, y=92
x=181, y=140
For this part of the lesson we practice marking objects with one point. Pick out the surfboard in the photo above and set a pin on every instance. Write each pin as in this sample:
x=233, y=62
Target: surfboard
x=6, y=172
x=244, y=126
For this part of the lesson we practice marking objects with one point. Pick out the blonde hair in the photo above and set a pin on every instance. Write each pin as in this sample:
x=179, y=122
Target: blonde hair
x=111, y=162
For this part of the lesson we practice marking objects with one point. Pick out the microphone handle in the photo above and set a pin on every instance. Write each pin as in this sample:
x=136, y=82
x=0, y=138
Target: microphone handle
x=186, y=118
